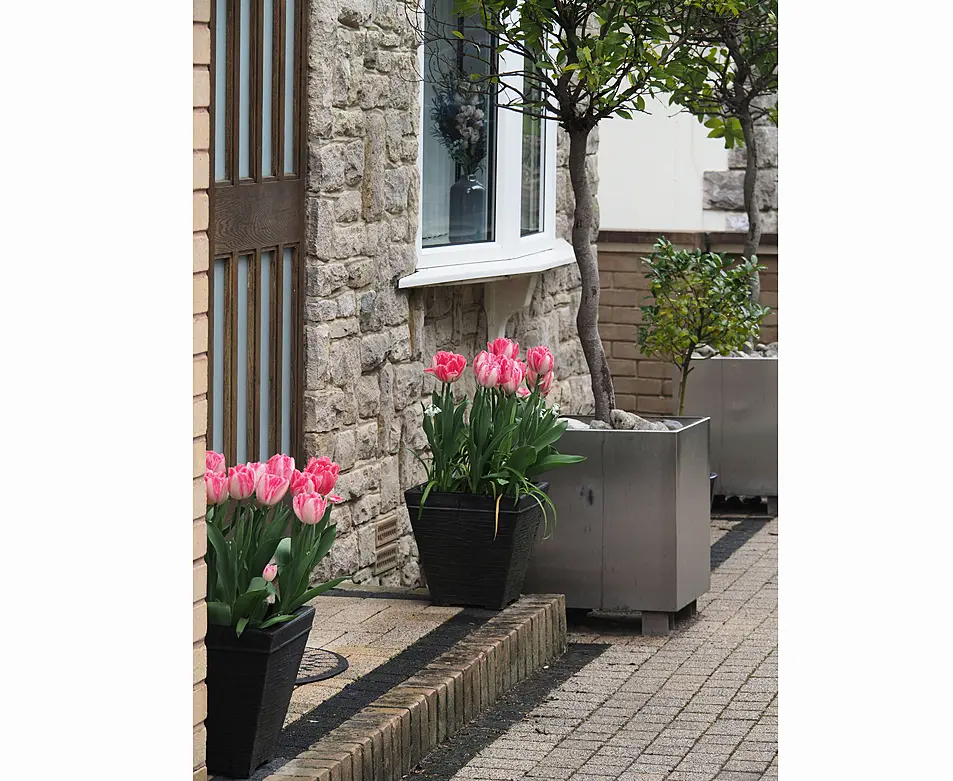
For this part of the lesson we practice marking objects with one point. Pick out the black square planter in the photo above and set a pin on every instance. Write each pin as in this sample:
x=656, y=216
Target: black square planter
x=463, y=563
x=250, y=680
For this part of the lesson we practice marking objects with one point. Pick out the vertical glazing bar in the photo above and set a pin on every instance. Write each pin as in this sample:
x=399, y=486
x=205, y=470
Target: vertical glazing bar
x=267, y=85
x=279, y=118
x=254, y=66
x=277, y=288
x=231, y=329
x=241, y=356
x=254, y=334
x=217, y=384
x=289, y=118
x=221, y=78
x=287, y=335
x=244, y=90
x=264, y=358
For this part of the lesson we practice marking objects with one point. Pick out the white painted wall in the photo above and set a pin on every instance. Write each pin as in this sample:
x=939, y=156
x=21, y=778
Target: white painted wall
x=651, y=168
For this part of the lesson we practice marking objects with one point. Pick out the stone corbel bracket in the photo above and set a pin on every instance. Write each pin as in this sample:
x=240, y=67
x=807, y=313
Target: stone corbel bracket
x=503, y=298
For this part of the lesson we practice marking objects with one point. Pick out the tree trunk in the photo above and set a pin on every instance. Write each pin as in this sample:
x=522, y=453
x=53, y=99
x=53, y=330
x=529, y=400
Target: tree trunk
x=753, y=239
x=587, y=318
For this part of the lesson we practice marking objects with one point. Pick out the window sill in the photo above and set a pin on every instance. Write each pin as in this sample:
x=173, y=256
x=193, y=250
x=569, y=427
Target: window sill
x=464, y=273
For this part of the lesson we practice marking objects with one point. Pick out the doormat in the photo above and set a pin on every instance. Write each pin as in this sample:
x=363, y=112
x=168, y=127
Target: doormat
x=319, y=665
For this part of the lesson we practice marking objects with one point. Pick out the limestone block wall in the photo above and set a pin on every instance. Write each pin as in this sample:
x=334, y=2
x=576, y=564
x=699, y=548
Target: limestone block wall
x=366, y=341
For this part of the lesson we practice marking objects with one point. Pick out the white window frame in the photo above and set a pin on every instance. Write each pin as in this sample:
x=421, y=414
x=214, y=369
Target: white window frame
x=509, y=253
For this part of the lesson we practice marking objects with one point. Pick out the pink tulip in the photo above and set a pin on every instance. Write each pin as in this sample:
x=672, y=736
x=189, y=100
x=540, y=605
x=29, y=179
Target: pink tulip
x=324, y=473
x=334, y=498
x=503, y=347
x=271, y=489
x=447, y=367
x=487, y=368
x=545, y=382
x=216, y=487
x=511, y=374
x=522, y=392
x=540, y=360
x=214, y=462
x=241, y=481
x=270, y=572
x=309, y=508
x=258, y=468
x=281, y=465
x=302, y=483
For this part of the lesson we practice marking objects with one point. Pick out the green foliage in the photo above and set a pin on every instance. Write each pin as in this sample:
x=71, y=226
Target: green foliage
x=728, y=66
x=243, y=538
x=698, y=299
x=584, y=61
x=504, y=445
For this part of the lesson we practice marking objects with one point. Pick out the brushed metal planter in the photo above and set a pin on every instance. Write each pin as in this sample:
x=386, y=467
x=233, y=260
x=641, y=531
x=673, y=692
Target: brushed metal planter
x=633, y=528
x=741, y=397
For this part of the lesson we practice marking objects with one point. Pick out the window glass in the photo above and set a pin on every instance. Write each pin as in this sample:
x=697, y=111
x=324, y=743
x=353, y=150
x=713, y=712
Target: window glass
x=459, y=147
x=531, y=190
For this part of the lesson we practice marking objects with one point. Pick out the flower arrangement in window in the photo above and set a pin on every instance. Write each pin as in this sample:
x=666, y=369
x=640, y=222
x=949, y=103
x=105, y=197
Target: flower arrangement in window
x=458, y=114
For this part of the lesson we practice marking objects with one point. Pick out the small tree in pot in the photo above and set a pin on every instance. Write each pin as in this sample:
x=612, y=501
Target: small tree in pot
x=699, y=299
x=580, y=62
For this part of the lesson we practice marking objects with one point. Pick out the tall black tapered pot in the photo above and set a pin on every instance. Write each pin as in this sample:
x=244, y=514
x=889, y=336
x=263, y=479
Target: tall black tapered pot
x=250, y=680
x=463, y=563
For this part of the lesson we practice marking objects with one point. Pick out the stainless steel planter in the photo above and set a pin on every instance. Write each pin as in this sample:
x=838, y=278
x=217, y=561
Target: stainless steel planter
x=633, y=530
x=741, y=397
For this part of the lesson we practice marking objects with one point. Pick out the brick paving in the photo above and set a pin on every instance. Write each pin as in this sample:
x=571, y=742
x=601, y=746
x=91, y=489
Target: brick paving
x=698, y=705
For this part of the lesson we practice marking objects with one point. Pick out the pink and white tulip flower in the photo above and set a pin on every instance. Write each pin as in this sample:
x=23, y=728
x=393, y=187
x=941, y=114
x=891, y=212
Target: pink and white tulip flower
x=216, y=487
x=446, y=366
x=214, y=462
x=324, y=472
x=540, y=360
x=271, y=489
x=511, y=374
x=503, y=348
x=522, y=392
x=281, y=465
x=270, y=572
x=241, y=481
x=302, y=483
x=487, y=368
x=309, y=508
x=542, y=383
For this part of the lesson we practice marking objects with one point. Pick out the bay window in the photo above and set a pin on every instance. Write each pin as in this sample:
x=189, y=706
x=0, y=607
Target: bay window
x=488, y=195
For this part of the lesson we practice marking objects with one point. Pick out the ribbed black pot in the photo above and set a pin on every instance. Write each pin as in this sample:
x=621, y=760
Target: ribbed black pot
x=250, y=680
x=463, y=563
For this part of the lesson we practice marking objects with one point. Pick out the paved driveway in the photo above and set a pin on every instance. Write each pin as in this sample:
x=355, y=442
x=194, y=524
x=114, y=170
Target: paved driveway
x=698, y=705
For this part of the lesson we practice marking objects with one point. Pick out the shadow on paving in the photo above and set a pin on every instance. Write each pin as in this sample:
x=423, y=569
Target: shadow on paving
x=443, y=762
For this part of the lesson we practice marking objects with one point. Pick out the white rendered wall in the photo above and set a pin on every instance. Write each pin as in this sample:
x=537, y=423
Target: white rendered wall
x=650, y=172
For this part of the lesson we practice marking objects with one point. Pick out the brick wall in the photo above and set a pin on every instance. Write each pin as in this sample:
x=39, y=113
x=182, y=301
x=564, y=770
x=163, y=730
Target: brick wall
x=643, y=385
x=201, y=52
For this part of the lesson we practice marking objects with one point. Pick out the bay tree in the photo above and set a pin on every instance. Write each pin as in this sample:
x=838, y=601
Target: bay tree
x=727, y=76
x=574, y=62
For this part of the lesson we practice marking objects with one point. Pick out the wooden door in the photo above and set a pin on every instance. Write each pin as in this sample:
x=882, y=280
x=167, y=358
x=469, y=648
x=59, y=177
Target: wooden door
x=257, y=227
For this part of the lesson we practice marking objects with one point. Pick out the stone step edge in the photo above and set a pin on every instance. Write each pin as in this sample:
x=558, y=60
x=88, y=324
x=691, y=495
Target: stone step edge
x=388, y=738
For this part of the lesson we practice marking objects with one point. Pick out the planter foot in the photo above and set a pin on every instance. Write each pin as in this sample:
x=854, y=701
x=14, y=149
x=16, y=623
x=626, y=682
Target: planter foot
x=689, y=611
x=773, y=506
x=655, y=623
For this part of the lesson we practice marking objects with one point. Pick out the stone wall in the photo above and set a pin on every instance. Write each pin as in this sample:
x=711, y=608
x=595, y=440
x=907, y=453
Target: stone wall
x=366, y=341
x=644, y=385
x=723, y=190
